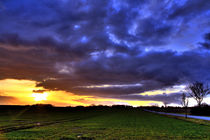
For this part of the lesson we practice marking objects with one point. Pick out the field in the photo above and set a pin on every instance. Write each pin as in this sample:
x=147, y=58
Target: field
x=95, y=123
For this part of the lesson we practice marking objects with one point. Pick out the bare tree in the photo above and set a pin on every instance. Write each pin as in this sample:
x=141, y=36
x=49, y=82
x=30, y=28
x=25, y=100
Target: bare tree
x=198, y=91
x=184, y=103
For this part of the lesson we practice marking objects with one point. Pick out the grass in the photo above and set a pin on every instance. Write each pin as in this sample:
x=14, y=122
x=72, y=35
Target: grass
x=123, y=124
x=197, y=121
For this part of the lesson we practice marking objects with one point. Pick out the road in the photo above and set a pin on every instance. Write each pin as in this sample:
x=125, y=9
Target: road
x=181, y=115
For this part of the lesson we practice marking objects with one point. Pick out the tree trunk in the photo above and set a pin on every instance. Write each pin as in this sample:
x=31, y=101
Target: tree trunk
x=185, y=112
x=199, y=103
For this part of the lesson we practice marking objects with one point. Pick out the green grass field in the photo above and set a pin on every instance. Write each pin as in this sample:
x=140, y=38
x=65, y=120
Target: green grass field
x=111, y=124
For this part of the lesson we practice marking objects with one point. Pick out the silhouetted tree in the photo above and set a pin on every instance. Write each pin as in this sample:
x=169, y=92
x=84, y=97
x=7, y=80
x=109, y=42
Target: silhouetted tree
x=165, y=104
x=184, y=103
x=198, y=91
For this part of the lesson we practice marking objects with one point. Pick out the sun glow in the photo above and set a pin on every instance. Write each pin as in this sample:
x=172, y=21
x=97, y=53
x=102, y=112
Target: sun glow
x=39, y=96
x=25, y=92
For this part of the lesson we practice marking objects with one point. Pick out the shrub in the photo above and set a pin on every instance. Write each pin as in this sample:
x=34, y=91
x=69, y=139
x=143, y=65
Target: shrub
x=201, y=110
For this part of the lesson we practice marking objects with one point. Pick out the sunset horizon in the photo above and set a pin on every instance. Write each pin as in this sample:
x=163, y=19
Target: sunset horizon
x=104, y=69
x=68, y=53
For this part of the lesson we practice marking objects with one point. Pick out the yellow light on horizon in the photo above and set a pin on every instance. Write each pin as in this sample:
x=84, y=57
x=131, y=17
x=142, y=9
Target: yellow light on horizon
x=21, y=92
x=39, y=96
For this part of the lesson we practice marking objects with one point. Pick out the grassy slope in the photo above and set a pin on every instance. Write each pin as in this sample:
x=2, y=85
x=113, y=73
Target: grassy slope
x=116, y=124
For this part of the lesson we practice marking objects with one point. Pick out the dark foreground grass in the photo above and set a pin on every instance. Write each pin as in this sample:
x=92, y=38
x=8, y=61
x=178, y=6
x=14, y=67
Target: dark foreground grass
x=197, y=121
x=111, y=124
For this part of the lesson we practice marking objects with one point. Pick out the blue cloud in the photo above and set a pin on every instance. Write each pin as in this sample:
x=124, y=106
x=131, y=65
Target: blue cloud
x=157, y=44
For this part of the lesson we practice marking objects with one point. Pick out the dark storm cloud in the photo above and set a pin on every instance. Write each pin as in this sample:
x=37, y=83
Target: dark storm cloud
x=165, y=98
x=69, y=45
x=155, y=70
x=206, y=43
x=191, y=8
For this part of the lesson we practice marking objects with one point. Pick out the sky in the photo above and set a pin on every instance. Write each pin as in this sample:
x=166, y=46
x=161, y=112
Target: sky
x=84, y=52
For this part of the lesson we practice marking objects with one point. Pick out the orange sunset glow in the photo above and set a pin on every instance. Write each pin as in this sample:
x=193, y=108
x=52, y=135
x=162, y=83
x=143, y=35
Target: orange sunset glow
x=21, y=92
